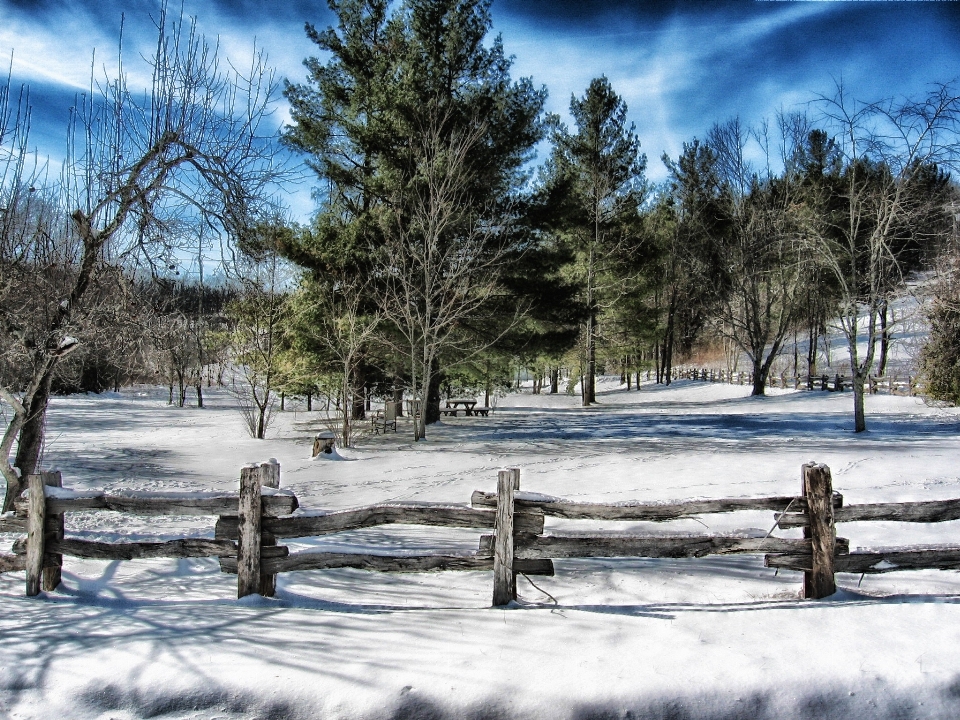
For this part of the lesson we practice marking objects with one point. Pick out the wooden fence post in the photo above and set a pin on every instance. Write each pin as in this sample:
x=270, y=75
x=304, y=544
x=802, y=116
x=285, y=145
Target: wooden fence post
x=36, y=531
x=248, y=532
x=53, y=564
x=269, y=477
x=819, y=582
x=504, y=581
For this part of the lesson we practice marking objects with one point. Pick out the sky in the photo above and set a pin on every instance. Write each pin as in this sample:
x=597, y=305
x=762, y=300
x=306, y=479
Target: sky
x=680, y=65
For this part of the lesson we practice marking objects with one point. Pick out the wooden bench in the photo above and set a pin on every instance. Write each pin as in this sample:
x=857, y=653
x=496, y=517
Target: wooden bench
x=450, y=412
x=481, y=411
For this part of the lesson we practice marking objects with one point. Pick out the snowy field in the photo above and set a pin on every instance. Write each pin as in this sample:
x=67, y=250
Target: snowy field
x=717, y=638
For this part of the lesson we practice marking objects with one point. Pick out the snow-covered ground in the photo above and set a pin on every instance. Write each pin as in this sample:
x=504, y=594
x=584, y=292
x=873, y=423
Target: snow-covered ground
x=711, y=638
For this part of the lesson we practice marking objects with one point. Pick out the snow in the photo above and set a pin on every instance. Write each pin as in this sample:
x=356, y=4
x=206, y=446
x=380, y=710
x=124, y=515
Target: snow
x=718, y=637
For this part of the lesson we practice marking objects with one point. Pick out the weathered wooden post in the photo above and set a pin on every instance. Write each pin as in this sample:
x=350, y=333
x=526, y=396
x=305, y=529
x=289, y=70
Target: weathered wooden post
x=53, y=563
x=269, y=477
x=270, y=473
x=817, y=487
x=504, y=580
x=36, y=532
x=248, y=532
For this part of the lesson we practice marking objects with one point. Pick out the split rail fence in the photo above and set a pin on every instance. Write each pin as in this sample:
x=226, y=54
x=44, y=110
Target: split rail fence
x=251, y=523
x=891, y=384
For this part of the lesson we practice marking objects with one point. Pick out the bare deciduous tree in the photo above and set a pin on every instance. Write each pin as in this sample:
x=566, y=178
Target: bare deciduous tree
x=197, y=140
x=888, y=201
x=258, y=317
x=761, y=263
x=439, y=262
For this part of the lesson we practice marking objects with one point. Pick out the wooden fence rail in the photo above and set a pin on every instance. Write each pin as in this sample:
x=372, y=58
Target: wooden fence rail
x=891, y=384
x=819, y=555
x=249, y=525
x=40, y=515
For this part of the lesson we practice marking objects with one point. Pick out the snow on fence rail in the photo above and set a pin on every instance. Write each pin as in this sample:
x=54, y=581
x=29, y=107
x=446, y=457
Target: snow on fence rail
x=250, y=524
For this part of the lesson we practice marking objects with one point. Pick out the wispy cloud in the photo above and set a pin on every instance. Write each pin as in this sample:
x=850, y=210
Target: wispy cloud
x=684, y=69
x=681, y=65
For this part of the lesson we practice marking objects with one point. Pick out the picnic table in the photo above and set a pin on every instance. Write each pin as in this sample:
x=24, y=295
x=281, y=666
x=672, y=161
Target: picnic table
x=468, y=404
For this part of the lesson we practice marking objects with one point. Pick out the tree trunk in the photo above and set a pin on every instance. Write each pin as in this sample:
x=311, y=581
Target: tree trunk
x=15, y=485
x=796, y=355
x=359, y=405
x=554, y=381
x=812, y=351
x=759, y=378
x=590, y=396
x=884, y=340
x=859, y=418
x=199, y=387
x=659, y=351
x=181, y=389
x=432, y=409
x=32, y=432
x=261, y=421
x=666, y=366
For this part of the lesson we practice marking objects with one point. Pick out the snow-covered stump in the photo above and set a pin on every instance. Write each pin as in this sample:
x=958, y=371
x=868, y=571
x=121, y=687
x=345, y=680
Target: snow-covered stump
x=504, y=578
x=36, y=531
x=324, y=443
x=53, y=563
x=817, y=488
x=248, y=532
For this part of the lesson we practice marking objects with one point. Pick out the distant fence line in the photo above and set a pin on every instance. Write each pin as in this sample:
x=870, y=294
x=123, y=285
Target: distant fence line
x=891, y=384
x=250, y=524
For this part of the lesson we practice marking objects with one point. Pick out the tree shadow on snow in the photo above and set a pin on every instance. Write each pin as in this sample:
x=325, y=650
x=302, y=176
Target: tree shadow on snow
x=588, y=432
x=876, y=700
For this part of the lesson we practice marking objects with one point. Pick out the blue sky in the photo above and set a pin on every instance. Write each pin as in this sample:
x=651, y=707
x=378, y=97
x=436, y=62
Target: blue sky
x=680, y=65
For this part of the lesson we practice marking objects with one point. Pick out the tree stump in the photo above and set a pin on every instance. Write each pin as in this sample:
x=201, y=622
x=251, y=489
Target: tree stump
x=324, y=443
